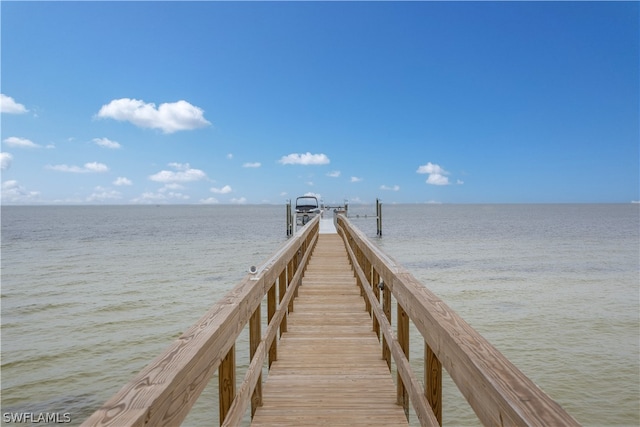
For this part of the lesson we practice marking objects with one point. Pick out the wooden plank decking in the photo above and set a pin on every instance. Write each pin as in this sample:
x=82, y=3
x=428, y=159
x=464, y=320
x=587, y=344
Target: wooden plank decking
x=330, y=369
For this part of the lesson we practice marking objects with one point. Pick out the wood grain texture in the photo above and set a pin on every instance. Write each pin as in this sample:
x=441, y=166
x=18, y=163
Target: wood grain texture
x=166, y=389
x=329, y=370
x=498, y=392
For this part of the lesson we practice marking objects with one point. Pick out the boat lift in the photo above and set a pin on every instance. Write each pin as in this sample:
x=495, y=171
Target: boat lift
x=296, y=217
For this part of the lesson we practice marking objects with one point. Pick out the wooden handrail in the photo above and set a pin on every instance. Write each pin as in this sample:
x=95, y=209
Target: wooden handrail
x=166, y=389
x=499, y=393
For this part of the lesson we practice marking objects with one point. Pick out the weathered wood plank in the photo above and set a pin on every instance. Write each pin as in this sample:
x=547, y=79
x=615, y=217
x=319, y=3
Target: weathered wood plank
x=329, y=370
x=166, y=389
x=498, y=392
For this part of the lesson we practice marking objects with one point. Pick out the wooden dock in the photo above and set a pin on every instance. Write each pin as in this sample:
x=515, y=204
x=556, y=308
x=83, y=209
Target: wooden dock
x=328, y=341
x=330, y=369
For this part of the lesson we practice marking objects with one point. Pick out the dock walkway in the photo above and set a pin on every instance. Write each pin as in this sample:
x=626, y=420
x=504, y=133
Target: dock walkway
x=327, y=339
x=329, y=369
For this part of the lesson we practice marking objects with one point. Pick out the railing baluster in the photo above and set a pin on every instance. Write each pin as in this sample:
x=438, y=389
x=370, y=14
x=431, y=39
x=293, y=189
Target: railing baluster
x=255, y=335
x=282, y=289
x=376, y=292
x=292, y=272
x=433, y=381
x=386, y=307
x=403, y=340
x=271, y=310
x=227, y=382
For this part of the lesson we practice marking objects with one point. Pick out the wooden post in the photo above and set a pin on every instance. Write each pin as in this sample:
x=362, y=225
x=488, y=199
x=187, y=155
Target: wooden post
x=386, y=307
x=378, y=218
x=403, y=340
x=271, y=311
x=376, y=292
x=282, y=288
x=290, y=274
x=367, y=270
x=255, y=335
x=433, y=381
x=227, y=382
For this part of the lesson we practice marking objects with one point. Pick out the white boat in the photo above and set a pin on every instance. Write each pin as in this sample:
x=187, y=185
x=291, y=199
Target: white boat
x=307, y=208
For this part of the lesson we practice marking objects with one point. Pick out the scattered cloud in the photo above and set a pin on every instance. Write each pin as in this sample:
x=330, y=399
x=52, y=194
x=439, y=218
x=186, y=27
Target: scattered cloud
x=168, y=117
x=459, y=182
x=14, y=192
x=87, y=168
x=387, y=188
x=5, y=161
x=10, y=106
x=436, y=179
x=224, y=190
x=120, y=181
x=230, y=156
x=252, y=165
x=333, y=174
x=304, y=159
x=239, y=201
x=209, y=201
x=356, y=179
x=14, y=141
x=102, y=194
x=107, y=143
x=183, y=173
x=436, y=174
x=162, y=195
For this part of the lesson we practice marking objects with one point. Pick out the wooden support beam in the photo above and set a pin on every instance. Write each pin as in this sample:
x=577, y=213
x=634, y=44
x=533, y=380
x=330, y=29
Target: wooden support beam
x=271, y=310
x=255, y=335
x=227, y=382
x=403, y=340
x=433, y=381
x=282, y=289
x=386, y=307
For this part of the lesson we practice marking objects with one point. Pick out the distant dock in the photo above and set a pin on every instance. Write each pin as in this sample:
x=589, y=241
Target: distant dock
x=327, y=343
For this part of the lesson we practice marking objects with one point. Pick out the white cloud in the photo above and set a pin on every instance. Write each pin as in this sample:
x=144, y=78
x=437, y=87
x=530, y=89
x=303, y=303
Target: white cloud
x=304, y=159
x=387, y=188
x=184, y=174
x=437, y=179
x=459, y=182
x=169, y=117
x=432, y=168
x=161, y=196
x=252, y=165
x=230, y=156
x=14, y=192
x=333, y=174
x=9, y=105
x=224, y=190
x=14, y=141
x=5, y=161
x=436, y=174
x=122, y=181
x=96, y=167
x=355, y=179
x=88, y=167
x=172, y=186
x=101, y=194
x=240, y=201
x=107, y=143
x=209, y=201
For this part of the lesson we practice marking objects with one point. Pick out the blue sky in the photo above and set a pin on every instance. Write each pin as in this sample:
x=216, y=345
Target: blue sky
x=243, y=102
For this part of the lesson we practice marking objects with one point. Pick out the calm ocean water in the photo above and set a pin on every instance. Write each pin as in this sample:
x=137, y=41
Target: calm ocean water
x=90, y=295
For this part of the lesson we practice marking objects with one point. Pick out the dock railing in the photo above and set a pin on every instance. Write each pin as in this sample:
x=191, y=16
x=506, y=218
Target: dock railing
x=164, y=391
x=498, y=392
